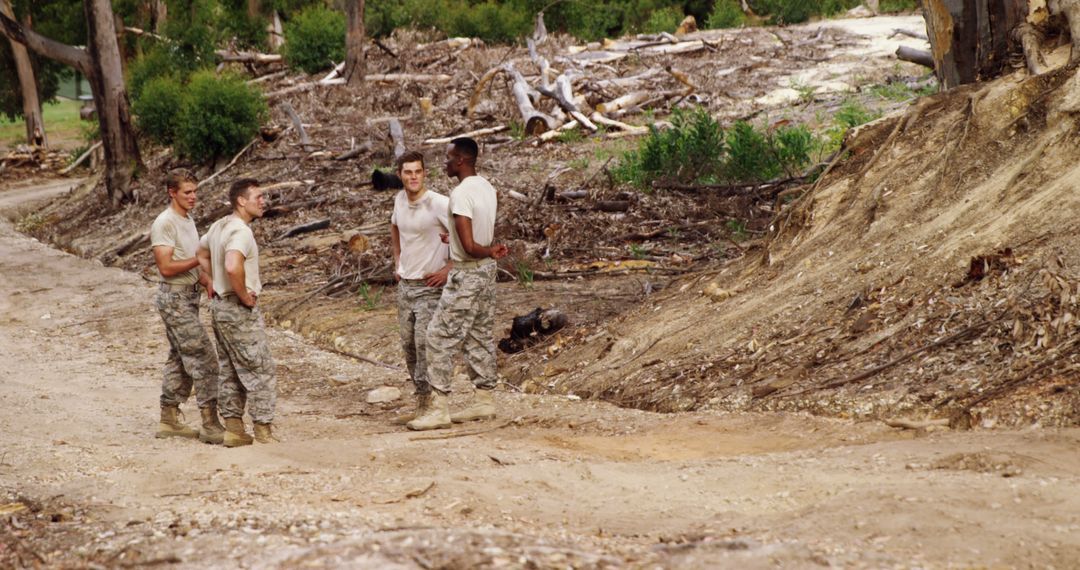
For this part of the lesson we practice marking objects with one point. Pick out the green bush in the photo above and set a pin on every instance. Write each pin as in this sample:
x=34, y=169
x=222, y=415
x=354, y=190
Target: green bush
x=725, y=14
x=218, y=116
x=852, y=113
x=315, y=39
x=696, y=150
x=892, y=6
x=797, y=11
x=663, y=20
x=153, y=64
x=491, y=21
x=156, y=109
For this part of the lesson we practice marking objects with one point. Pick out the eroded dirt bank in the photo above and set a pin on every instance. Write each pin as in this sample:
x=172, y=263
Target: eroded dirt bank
x=565, y=483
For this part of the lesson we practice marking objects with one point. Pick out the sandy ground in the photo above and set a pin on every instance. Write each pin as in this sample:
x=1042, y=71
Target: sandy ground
x=554, y=482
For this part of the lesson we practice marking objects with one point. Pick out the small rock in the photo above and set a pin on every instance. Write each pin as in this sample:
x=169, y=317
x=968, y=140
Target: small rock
x=383, y=394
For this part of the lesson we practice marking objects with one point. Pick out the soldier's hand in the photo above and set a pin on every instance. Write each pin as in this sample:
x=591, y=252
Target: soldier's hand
x=499, y=251
x=397, y=277
x=210, y=291
x=437, y=279
x=254, y=299
x=444, y=237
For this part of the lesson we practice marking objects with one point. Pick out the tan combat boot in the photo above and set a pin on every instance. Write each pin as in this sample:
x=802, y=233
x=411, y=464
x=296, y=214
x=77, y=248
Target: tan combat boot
x=481, y=408
x=235, y=436
x=437, y=415
x=170, y=425
x=264, y=433
x=211, y=430
x=422, y=403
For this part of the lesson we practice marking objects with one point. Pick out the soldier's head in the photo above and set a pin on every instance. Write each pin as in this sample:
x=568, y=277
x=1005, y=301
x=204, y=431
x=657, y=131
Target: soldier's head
x=247, y=199
x=410, y=169
x=461, y=155
x=181, y=185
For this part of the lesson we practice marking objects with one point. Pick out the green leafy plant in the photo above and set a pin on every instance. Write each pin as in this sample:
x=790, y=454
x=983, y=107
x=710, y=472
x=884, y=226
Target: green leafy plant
x=663, y=20
x=370, y=297
x=517, y=130
x=852, y=113
x=580, y=163
x=315, y=39
x=637, y=251
x=525, y=275
x=218, y=116
x=737, y=229
x=725, y=14
x=156, y=109
x=570, y=136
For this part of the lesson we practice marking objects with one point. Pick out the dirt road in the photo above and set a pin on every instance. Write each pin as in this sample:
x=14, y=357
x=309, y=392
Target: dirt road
x=565, y=483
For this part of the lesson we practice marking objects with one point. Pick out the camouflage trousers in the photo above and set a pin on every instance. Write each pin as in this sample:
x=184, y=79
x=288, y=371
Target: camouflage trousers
x=247, y=370
x=464, y=319
x=416, y=304
x=192, y=359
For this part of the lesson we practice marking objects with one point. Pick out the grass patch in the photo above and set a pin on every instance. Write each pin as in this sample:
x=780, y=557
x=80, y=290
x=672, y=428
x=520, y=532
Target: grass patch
x=62, y=125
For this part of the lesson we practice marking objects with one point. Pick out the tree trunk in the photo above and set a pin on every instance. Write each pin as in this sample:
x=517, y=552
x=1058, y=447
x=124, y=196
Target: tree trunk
x=100, y=63
x=253, y=8
x=971, y=39
x=160, y=13
x=122, y=158
x=354, y=45
x=35, y=126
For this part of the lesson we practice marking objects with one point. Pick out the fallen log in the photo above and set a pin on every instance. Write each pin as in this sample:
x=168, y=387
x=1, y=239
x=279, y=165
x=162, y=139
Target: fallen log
x=619, y=125
x=285, y=209
x=355, y=152
x=471, y=134
x=82, y=158
x=130, y=243
x=398, y=136
x=915, y=424
x=207, y=180
x=563, y=94
x=305, y=141
x=1030, y=38
x=919, y=56
x=612, y=205
x=536, y=122
x=629, y=100
x=248, y=56
x=304, y=228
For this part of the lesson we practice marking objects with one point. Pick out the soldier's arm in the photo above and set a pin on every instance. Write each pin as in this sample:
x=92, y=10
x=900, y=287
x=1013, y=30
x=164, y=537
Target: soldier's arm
x=205, y=276
x=463, y=225
x=170, y=267
x=234, y=269
x=395, y=247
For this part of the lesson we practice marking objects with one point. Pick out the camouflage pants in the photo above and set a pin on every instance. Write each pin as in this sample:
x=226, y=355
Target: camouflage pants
x=416, y=303
x=465, y=319
x=192, y=359
x=247, y=370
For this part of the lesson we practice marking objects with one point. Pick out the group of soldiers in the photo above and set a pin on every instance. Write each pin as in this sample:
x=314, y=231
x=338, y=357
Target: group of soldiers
x=444, y=264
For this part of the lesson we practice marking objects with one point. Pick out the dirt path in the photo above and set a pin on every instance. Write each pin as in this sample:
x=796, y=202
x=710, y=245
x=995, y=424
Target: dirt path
x=565, y=484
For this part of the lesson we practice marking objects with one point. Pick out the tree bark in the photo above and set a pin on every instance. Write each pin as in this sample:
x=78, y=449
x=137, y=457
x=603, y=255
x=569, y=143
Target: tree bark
x=35, y=126
x=122, y=158
x=100, y=64
x=970, y=39
x=354, y=45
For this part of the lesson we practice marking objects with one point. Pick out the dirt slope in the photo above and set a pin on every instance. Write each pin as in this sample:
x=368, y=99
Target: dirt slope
x=933, y=271
x=566, y=484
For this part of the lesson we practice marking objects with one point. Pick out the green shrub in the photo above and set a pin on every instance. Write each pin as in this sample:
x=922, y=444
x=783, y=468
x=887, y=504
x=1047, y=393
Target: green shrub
x=663, y=20
x=315, y=39
x=193, y=29
x=490, y=21
x=153, y=64
x=853, y=113
x=797, y=11
x=892, y=6
x=750, y=156
x=156, y=109
x=219, y=115
x=725, y=14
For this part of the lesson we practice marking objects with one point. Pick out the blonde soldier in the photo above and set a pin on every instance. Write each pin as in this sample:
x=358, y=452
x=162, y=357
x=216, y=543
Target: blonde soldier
x=421, y=265
x=230, y=253
x=192, y=360
x=466, y=312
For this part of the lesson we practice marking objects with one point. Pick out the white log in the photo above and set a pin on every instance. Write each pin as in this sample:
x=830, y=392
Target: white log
x=249, y=56
x=623, y=102
x=81, y=158
x=470, y=134
x=398, y=136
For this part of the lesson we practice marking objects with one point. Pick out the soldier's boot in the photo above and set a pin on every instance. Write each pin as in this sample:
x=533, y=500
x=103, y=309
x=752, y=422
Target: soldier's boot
x=422, y=403
x=211, y=430
x=264, y=433
x=482, y=407
x=171, y=426
x=235, y=436
x=437, y=415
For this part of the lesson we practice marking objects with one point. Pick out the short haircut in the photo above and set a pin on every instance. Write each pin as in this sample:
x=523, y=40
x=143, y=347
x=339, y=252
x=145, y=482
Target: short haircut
x=411, y=156
x=240, y=188
x=178, y=176
x=467, y=147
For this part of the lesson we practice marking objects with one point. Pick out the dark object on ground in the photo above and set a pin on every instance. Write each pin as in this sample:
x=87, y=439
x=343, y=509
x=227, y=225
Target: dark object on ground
x=385, y=181
x=531, y=328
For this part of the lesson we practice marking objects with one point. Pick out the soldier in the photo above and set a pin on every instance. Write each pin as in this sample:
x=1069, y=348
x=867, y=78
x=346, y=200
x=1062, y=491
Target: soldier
x=466, y=311
x=230, y=253
x=192, y=360
x=421, y=266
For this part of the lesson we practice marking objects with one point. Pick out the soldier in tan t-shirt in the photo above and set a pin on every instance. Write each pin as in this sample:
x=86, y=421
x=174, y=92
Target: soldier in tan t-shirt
x=192, y=360
x=228, y=251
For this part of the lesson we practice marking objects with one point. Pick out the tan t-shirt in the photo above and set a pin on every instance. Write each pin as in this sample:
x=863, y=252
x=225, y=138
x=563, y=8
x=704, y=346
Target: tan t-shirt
x=232, y=234
x=474, y=198
x=419, y=225
x=178, y=232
